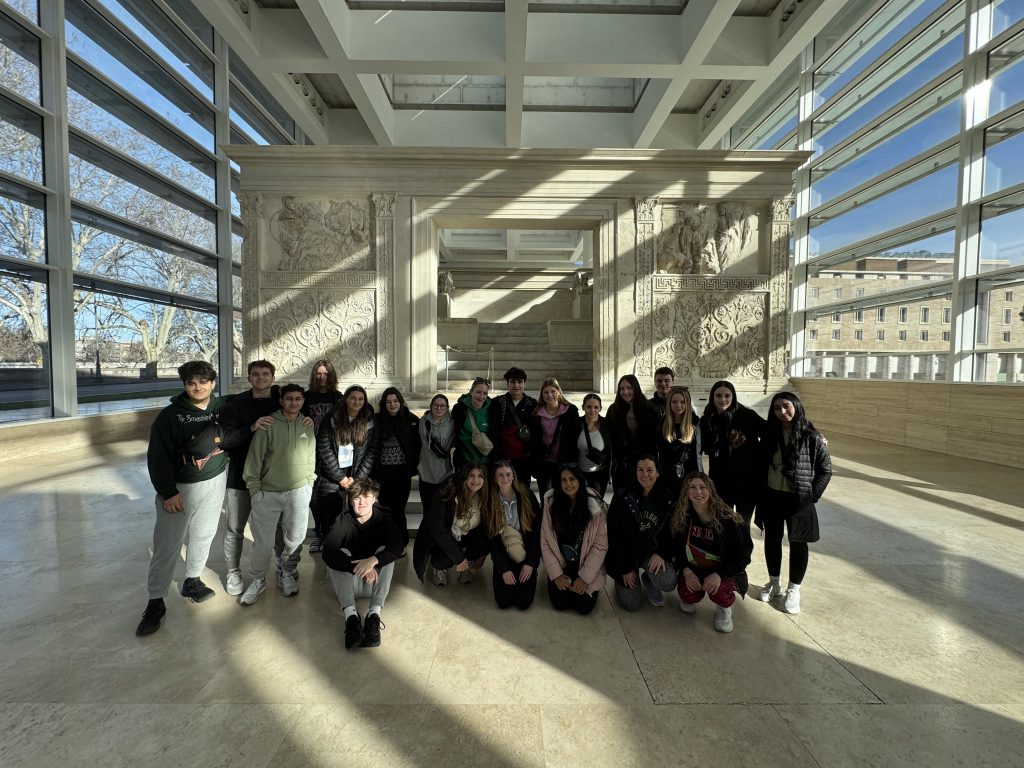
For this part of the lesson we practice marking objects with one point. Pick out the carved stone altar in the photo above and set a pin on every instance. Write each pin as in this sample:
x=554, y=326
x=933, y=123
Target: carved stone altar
x=340, y=257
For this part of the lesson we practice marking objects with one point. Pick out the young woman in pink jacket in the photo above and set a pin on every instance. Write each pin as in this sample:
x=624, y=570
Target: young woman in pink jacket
x=573, y=542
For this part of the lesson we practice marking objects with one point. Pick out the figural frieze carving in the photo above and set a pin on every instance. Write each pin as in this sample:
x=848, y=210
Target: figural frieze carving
x=706, y=238
x=320, y=235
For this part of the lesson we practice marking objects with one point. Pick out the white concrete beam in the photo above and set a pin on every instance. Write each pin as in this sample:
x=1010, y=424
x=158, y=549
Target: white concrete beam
x=425, y=36
x=331, y=22
x=243, y=34
x=785, y=42
x=515, y=57
x=448, y=128
x=700, y=26
x=577, y=130
x=615, y=39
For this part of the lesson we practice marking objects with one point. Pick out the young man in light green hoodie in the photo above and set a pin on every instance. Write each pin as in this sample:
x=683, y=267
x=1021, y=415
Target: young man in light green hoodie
x=279, y=475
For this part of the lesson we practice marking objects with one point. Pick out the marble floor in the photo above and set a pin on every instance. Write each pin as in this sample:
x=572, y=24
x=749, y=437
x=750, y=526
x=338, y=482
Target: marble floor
x=908, y=651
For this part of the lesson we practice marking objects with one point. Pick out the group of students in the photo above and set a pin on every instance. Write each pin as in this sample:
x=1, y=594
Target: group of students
x=278, y=452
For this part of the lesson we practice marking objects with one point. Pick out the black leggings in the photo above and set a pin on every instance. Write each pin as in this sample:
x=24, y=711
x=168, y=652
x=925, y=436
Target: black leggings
x=798, y=553
x=519, y=595
x=564, y=599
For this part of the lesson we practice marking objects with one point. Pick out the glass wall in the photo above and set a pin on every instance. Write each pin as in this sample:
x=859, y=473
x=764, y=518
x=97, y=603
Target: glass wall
x=910, y=213
x=127, y=289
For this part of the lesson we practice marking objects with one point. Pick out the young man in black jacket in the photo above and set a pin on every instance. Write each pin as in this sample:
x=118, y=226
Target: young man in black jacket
x=360, y=553
x=509, y=414
x=187, y=468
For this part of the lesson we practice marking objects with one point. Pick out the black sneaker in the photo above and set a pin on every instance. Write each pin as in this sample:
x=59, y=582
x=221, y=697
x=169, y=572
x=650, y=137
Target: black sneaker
x=195, y=590
x=353, y=631
x=150, y=623
x=371, y=631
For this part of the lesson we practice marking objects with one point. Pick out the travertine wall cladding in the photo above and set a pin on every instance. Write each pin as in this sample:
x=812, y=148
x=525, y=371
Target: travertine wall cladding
x=340, y=257
x=984, y=422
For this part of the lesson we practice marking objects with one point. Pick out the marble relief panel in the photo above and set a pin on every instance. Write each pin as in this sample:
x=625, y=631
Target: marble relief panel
x=709, y=238
x=318, y=234
x=300, y=326
x=712, y=334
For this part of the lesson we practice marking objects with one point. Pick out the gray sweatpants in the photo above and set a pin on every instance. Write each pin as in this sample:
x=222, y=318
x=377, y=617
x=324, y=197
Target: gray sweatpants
x=348, y=587
x=631, y=599
x=237, y=508
x=291, y=508
x=197, y=524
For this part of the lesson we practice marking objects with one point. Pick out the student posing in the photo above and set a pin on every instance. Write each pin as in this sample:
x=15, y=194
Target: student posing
x=552, y=425
x=360, y=553
x=279, y=475
x=471, y=415
x=799, y=469
x=573, y=542
x=452, y=532
x=637, y=520
x=593, y=440
x=513, y=527
x=187, y=467
x=509, y=420
x=711, y=547
x=399, y=456
x=437, y=434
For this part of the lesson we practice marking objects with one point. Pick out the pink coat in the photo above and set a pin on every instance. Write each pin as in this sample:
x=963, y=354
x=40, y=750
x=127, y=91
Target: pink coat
x=595, y=544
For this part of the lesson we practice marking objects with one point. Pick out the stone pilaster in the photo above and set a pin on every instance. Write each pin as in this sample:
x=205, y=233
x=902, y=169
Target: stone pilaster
x=644, y=210
x=778, y=305
x=384, y=229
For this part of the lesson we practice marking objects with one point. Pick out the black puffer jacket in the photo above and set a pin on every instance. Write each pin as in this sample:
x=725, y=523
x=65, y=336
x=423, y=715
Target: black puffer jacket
x=328, y=473
x=809, y=468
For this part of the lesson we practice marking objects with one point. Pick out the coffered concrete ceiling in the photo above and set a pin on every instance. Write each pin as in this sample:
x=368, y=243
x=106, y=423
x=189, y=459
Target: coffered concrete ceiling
x=519, y=73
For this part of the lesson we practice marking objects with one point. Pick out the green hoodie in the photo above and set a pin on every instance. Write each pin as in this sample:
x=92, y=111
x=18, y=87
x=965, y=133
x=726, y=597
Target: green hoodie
x=281, y=457
x=174, y=427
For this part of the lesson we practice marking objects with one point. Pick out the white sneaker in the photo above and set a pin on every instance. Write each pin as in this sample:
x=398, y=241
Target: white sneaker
x=723, y=619
x=687, y=608
x=289, y=583
x=256, y=588
x=233, y=584
x=466, y=576
x=792, y=601
x=440, y=577
x=770, y=590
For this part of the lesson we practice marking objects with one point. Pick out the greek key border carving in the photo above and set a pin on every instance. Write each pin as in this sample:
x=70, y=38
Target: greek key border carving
x=673, y=283
x=318, y=279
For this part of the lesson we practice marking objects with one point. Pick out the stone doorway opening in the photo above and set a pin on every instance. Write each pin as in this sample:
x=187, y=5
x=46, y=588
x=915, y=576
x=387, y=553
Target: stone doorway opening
x=515, y=296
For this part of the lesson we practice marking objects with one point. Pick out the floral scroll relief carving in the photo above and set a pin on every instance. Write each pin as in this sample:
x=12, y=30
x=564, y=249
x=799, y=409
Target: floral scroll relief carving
x=300, y=326
x=712, y=335
x=315, y=234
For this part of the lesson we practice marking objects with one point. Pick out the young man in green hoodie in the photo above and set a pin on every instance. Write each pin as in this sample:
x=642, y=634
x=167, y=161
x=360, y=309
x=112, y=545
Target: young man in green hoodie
x=279, y=475
x=187, y=468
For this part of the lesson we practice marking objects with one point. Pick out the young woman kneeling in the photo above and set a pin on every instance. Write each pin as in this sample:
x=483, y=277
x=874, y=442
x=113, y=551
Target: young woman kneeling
x=637, y=523
x=711, y=547
x=573, y=542
x=452, y=531
x=513, y=527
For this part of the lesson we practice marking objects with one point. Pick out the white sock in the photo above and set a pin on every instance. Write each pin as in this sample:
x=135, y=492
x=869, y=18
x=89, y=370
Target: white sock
x=794, y=587
x=349, y=610
x=374, y=609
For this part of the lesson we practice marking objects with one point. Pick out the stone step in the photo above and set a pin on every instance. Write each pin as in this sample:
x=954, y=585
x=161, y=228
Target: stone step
x=458, y=386
x=509, y=354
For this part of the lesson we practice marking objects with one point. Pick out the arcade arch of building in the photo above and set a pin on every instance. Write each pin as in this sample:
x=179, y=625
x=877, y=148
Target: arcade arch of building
x=690, y=255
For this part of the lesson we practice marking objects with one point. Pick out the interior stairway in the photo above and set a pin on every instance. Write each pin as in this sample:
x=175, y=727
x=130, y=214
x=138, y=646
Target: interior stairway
x=503, y=345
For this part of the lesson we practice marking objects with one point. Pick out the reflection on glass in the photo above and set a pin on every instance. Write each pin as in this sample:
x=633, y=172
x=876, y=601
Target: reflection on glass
x=103, y=254
x=24, y=348
x=933, y=129
x=928, y=195
x=875, y=38
x=21, y=143
x=127, y=349
x=236, y=291
x=19, y=60
x=94, y=185
x=236, y=248
x=1002, y=223
x=1005, y=13
x=418, y=91
x=1004, y=146
x=905, y=73
x=22, y=230
x=1006, y=75
x=27, y=8
x=89, y=117
x=237, y=344
x=999, y=367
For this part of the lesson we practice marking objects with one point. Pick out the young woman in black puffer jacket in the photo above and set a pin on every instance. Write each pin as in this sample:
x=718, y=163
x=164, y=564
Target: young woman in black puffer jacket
x=798, y=470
